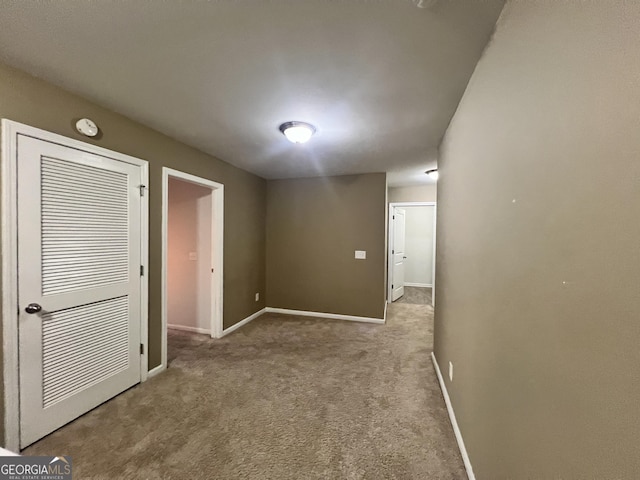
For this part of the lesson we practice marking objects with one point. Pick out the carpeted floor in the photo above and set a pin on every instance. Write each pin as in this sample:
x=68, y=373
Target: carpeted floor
x=282, y=398
x=416, y=296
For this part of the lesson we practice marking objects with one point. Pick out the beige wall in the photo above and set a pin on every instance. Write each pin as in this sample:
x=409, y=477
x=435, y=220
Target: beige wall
x=417, y=193
x=314, y=226
x=538, y=267
x=31, y=101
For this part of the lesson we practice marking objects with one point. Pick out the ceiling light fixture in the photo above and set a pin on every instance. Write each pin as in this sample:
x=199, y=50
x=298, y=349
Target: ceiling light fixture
x=433, y=173
x=297, y=132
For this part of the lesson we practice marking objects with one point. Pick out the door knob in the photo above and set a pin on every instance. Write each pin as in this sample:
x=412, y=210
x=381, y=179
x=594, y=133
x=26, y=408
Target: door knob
x=33, y=308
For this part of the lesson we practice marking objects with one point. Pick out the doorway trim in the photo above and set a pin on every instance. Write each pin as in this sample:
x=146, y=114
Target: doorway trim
x=217, y=246
x=9, y=215
x=392, y=205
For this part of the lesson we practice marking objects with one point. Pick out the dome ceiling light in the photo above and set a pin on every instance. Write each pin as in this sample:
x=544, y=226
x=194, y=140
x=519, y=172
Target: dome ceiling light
x=432, y=174
x=297, y=132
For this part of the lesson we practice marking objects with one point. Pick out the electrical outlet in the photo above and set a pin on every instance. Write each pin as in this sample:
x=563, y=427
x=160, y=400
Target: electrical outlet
x=450, y=372
x=257, y=297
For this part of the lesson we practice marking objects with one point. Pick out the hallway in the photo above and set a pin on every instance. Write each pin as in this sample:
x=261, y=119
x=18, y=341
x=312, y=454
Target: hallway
x=283, y=398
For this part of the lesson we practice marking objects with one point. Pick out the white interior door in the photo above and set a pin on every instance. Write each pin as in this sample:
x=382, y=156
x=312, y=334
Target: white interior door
x=79, y=257
x=398, y=253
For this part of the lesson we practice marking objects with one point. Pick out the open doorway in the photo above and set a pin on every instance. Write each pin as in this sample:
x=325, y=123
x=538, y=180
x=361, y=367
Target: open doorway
x=411, y=269
x=192, y=230
x=189, y=257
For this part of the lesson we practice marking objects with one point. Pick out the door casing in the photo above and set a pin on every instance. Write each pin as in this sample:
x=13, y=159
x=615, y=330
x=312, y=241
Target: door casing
x=9, y=215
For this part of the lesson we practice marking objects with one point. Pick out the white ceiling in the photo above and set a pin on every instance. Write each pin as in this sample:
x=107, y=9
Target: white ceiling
x=380, y=79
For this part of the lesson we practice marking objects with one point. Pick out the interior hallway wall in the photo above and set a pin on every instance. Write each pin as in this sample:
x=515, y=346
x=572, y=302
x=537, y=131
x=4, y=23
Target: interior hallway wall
x=416, y=193
x=314, y=226
x=538, y=263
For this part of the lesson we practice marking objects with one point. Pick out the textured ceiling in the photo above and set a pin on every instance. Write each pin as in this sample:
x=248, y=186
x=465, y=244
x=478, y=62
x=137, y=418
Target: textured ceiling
x=380, y=79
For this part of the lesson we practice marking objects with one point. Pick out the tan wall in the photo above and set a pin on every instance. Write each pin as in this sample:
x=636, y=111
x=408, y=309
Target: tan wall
x=417, y=193
x=31, y=101
x=538, y=269
x=314, y=226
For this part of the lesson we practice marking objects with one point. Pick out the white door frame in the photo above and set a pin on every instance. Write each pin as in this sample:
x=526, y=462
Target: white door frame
x=217, y=245
x=9, y=215
x=392, y=205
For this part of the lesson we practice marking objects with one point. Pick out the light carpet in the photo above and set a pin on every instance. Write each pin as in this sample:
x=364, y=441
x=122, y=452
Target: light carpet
x=416, y=296
x=284, y=397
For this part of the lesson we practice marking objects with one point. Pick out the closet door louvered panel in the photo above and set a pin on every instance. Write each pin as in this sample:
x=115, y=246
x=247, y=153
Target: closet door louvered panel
x=82, y=346
x=85, y=226
x=79, y=256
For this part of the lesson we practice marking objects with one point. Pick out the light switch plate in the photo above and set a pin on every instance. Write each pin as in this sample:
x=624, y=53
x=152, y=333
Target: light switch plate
x=193, y=256
x=361, y=254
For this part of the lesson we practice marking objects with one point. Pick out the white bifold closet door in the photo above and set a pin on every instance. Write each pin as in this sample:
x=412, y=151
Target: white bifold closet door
x=79, y=252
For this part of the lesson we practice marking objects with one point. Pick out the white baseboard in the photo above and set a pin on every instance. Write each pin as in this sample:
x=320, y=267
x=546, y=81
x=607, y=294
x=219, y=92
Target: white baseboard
x=424, y=285
x=242, y=323
x=155, y=371
x=454, y=422
x=189, y=329
x=333, y=316
x=385, y=311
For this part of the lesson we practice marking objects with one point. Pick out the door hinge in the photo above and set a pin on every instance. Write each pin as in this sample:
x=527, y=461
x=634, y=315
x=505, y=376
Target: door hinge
x=394, y=217
x=142, y=270
x=392, y=252
x=141, y=349
x=142, y=187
